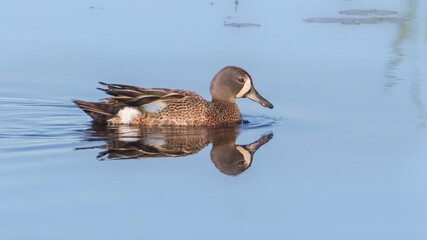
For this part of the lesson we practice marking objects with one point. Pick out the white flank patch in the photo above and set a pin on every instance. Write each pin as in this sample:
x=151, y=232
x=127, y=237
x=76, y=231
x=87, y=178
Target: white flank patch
x=155, y=107
x=128, y=114
x=246, y=154
x=245, y=89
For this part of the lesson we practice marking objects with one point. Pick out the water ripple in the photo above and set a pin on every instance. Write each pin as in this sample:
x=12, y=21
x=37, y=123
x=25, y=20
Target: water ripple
x=30, y=124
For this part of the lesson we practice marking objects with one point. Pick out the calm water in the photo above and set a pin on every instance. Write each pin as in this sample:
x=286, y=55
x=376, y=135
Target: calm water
x=341, y=156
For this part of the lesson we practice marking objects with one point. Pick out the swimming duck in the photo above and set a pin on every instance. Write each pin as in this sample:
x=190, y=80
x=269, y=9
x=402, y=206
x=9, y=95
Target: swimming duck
x=165, y=107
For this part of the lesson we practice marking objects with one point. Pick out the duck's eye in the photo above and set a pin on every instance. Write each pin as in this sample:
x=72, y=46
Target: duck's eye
x=241, y=80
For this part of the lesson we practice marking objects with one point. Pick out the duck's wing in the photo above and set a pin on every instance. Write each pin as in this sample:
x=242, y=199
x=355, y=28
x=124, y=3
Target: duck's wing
x=139, y=97
x=129, y=96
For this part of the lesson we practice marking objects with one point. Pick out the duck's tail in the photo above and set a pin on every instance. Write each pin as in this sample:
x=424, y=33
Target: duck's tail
x=100, y=112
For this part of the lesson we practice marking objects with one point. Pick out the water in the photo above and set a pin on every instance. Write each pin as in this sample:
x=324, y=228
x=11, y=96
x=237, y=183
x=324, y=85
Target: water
x=346, y=158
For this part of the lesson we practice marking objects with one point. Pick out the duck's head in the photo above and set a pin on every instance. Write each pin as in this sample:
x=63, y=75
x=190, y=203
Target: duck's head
x=233, y=82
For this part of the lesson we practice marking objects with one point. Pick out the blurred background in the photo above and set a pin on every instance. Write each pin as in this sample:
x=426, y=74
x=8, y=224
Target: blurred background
x=347, y=79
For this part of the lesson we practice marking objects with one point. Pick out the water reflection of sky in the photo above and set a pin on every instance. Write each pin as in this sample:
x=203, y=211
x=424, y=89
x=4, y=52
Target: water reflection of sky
x=347, y=160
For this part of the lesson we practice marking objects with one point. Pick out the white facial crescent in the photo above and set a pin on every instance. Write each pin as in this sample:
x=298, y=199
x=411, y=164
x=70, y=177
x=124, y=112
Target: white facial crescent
x=245, y=89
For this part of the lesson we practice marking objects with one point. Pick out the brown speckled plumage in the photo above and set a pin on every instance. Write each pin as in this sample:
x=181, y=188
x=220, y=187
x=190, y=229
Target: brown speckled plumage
x=180, y=107
x=193, y=110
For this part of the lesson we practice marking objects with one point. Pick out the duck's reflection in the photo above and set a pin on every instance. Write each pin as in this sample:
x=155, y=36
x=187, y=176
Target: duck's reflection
x=127, y=142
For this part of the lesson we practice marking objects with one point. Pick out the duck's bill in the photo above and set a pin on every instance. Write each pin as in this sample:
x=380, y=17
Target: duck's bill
x=255, y=96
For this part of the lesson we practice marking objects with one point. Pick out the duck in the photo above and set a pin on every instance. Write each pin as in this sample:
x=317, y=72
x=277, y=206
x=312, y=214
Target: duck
x=138, y=106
